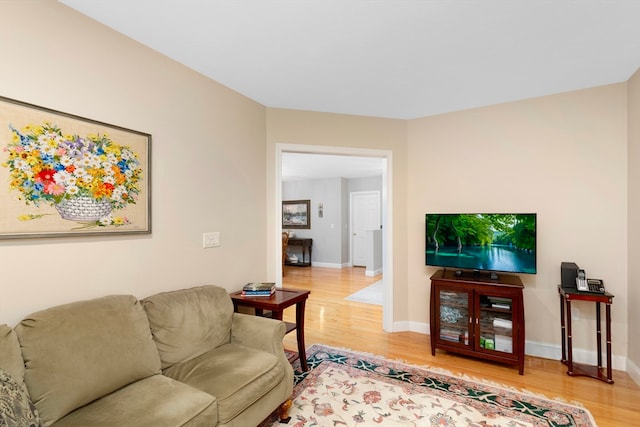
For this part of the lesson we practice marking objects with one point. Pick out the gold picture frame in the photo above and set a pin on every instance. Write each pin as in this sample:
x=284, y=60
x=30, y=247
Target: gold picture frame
x=63, y=175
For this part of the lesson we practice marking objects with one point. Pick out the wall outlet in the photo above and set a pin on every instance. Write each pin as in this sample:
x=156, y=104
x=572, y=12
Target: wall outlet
x=211, y=240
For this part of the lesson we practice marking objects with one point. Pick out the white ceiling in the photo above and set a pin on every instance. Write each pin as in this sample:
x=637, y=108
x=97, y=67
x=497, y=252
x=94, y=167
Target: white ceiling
x=385, y=58
x=297, y=166
x=388, y=58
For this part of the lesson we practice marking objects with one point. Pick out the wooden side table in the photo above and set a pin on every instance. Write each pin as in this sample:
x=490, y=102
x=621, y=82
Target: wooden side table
x=276, y=304
x=306, y=244
x=578, y=369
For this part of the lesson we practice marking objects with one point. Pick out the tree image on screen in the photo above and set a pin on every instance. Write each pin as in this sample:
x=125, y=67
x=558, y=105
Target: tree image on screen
x=495, y=242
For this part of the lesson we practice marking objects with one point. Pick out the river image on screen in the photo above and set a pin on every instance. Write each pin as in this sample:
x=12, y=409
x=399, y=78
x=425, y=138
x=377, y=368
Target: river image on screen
x=491, y=242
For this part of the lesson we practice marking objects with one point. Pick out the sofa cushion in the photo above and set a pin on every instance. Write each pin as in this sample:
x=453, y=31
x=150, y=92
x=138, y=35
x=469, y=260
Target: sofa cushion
x=10, y=355
x=237, y=376
x=156, y=401
x=16, y=408
x=189, y=322
x=78, y=352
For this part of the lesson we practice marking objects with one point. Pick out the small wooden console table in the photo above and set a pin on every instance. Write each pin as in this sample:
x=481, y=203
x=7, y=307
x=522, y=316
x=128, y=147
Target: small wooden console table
x=577, y=369
x=276, y=304
x=306, y=244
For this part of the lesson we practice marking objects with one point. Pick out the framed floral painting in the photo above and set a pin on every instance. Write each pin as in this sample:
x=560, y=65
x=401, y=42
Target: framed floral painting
x=63, y=175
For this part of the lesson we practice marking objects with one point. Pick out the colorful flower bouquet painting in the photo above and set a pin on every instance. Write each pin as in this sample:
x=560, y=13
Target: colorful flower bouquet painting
x=64, y=175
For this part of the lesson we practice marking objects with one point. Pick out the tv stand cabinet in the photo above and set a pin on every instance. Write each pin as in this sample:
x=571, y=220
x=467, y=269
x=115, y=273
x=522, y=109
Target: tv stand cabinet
x=477, y=316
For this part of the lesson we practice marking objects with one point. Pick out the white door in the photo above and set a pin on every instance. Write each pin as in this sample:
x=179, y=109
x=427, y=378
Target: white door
x=365, y=215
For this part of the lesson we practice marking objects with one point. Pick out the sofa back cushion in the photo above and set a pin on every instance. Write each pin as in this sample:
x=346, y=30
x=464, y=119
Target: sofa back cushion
x=76, y=353
x=10, y=355
x=190, y=322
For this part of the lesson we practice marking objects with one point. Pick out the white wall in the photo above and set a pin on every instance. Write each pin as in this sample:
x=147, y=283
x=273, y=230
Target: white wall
x=331, y=233
x=327, y=231
x=208, y=163
x=563, y=157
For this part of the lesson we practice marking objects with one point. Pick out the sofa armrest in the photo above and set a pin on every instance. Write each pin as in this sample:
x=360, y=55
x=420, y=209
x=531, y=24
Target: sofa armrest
x=260, y=333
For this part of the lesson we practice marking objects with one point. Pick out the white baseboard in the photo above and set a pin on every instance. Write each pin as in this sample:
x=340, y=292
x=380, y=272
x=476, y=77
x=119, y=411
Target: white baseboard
x=368, y=273
x=326, y=264
x=634, y=371
x=580, y=355
x=409, y=326
x=373, y=273
x=544, y=350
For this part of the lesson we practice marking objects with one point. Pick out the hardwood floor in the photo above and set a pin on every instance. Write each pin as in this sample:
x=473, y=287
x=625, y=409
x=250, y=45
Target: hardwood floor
x=334, y=321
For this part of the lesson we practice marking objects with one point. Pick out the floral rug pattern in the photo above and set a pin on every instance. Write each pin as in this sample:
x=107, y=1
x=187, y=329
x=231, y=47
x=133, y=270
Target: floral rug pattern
x=346, y=388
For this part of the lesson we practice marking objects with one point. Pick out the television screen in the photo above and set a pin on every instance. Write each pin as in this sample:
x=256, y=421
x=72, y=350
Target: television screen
x=490, y=242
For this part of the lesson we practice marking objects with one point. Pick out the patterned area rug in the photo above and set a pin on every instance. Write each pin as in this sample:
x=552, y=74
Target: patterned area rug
x=346, y=388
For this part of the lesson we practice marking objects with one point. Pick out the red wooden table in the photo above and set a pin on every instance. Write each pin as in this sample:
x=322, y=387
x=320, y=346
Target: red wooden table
x=276, y=304
x=574, y=369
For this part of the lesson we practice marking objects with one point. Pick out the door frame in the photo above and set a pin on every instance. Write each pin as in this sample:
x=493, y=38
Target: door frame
x=387, y=212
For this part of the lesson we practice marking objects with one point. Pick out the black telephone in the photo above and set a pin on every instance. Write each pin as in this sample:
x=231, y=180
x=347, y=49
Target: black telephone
x=589, y=285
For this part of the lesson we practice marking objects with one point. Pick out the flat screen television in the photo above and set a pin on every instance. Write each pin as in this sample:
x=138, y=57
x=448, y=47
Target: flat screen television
x=482, y=242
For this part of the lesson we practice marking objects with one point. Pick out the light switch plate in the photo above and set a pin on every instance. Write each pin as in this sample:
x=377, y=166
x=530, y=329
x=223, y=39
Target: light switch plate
x=211, y=240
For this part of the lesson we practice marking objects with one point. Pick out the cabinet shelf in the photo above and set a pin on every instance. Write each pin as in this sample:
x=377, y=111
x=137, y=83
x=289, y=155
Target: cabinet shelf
x=464, y=319
x=496, y=310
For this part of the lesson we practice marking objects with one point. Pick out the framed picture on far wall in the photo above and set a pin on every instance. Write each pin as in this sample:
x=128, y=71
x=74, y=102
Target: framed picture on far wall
x=296, y=214
x=63, y=175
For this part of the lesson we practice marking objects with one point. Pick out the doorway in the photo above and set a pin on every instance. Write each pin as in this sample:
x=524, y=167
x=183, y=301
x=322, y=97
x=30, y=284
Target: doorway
x=386, y=211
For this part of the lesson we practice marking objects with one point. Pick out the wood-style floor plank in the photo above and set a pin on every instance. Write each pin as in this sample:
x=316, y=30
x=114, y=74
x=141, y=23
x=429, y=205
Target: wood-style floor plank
x=334, y=321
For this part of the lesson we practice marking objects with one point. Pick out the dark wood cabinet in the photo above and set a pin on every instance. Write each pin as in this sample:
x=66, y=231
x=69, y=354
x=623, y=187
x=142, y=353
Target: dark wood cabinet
x=475, y=315
x=306, y=245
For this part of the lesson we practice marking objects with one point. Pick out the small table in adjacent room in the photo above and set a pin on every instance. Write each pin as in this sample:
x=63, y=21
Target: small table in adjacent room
x=578, y=369
x=306, y=245
x=276, y=304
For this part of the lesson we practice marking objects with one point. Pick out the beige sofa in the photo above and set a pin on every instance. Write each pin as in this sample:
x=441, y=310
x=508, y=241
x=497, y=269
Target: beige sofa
x=180, y=358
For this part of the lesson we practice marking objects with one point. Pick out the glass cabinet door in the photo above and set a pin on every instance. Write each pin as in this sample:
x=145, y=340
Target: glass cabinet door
x=454, y=316
x=495, y=323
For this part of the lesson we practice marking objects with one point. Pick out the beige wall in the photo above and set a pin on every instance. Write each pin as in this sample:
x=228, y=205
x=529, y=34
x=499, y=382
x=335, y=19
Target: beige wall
x=634, y=223
x=208, y=163
x=563, y=157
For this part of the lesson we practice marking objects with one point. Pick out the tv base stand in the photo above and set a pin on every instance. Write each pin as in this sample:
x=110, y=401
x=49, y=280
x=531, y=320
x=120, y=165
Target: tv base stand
x=476, y=315
x=475, y=274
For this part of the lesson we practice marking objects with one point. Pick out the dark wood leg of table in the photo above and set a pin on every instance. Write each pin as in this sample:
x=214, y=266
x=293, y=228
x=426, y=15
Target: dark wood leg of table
x=432, y=310
x=302, y=353
x=599, y=335
x=309, y=256
x=569, y=340
x=563, y=331
x=609, y=367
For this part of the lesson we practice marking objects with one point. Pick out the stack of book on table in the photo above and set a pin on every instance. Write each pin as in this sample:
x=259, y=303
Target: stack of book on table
x=259, y=289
